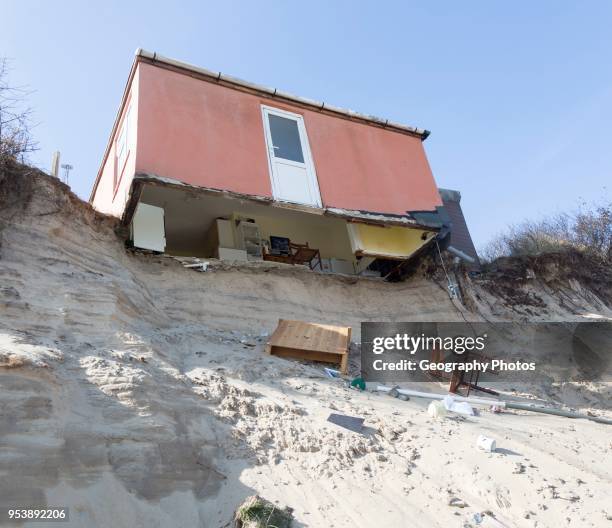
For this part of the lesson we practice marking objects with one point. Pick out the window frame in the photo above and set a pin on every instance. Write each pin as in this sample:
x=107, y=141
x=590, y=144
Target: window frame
x=122, y=142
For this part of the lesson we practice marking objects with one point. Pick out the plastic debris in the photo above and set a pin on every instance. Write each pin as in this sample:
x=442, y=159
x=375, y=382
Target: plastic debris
x=358, y=383
x=352, y=423
x=394, y=392
x=486, y=444
x=198, y=265
x=457, y=502
x=437, y=409
x=457, y=406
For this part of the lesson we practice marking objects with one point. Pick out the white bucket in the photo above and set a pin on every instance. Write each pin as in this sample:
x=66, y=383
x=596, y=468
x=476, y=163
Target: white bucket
x=437, y=409
x=486, y=444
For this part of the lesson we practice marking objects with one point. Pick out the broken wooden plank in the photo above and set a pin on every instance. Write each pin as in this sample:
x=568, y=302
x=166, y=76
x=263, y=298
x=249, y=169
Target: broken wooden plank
x=311, y=341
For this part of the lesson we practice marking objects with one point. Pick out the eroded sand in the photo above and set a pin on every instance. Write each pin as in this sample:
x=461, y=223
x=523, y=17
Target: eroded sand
x=137, y=393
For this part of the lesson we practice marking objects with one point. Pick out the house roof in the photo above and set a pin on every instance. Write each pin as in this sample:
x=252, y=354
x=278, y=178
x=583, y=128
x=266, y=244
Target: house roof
x=275, y=93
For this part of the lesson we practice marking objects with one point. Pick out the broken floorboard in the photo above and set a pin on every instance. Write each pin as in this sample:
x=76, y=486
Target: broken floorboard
x=311, y=341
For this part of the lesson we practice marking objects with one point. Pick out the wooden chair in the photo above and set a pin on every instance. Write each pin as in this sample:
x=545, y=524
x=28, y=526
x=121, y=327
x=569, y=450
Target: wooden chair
x=302, y=254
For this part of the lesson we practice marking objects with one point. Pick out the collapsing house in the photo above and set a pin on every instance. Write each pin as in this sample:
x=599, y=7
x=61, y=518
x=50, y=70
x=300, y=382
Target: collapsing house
x=206, y=165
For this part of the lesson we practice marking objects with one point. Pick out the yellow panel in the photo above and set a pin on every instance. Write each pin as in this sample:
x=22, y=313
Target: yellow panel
x=387, y=241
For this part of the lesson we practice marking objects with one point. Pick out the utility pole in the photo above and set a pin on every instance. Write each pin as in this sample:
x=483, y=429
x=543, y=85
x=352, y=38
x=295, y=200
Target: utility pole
x=67, y=168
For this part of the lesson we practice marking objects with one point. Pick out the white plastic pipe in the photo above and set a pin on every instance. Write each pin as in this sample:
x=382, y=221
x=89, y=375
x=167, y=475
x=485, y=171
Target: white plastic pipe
x=432, y=396
x=500, y=403
x=558, y=412
x=461, y=254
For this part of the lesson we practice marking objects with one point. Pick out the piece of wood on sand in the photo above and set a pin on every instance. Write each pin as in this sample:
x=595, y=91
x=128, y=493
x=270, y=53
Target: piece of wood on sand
x=311, y=341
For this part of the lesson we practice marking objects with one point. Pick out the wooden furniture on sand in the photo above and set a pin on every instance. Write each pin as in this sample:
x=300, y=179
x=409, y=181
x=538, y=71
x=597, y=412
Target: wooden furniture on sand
x=311, y=341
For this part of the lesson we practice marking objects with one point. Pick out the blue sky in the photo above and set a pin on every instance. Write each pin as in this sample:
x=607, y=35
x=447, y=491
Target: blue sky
x=518, y=95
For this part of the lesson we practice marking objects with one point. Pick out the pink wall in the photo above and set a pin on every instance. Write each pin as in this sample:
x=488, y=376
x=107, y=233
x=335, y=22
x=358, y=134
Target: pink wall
x=108, y=197
x=209, y=135
x=368, y=168
x=200, y=133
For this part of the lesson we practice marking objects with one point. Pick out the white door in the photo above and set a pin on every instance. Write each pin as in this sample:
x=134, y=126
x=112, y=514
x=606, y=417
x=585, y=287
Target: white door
x=291, y=167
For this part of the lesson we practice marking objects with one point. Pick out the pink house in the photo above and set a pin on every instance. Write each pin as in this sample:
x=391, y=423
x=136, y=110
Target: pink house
x=203, y=164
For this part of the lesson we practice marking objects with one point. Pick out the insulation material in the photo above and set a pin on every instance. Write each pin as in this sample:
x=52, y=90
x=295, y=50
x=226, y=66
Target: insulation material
x=395, y=242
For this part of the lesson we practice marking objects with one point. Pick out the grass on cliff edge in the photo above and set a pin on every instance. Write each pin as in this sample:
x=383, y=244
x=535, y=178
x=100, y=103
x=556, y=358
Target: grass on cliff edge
x=256, y=512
